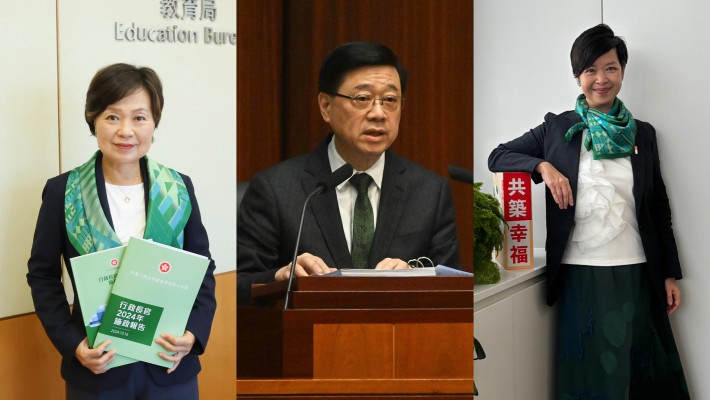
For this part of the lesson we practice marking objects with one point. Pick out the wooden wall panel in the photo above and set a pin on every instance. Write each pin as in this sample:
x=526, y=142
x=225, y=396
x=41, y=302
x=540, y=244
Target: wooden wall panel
x=219, y=363
x=435, y=44
x=259, y=86
x=346, y=357
x=433, y=358
x=30, y=364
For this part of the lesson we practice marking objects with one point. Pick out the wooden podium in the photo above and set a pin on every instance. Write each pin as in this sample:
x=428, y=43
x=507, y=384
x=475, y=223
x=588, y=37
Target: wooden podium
x=358, y=337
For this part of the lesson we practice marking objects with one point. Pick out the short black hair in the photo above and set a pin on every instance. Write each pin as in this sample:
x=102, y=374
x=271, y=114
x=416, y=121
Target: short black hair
x=116, y=81
x=351, y=56
x=592, y=44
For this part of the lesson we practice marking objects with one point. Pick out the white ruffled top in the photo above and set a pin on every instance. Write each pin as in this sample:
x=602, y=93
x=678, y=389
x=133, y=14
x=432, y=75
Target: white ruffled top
x=606, y=230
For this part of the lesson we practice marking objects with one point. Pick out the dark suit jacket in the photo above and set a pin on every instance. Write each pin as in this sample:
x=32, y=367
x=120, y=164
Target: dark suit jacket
x=65, y=328
x=415, y=218
x=547, y=143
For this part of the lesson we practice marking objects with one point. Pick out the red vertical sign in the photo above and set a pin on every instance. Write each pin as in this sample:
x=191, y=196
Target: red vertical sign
x=513, y=190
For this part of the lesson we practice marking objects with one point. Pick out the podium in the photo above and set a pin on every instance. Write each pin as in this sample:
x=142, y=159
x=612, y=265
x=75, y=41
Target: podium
x=358, y=337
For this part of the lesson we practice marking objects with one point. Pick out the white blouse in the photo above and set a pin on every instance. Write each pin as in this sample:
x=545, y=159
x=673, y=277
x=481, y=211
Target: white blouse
x=606, y=230
x=128, y=216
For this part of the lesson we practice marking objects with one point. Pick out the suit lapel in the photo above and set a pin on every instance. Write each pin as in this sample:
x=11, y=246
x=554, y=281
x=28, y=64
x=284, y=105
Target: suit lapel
x=637, y=167
x=395, y=190
x=325, y=208
x=573, y=149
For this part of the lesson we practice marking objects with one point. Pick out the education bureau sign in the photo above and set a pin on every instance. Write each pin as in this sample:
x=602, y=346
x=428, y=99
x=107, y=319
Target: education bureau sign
x=184, y=11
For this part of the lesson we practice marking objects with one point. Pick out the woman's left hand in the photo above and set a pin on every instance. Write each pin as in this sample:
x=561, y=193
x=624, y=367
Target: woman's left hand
x=177, y=347
x=672, y=295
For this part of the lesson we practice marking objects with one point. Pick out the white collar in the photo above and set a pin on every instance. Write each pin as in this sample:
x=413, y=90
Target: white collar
x=376, y=171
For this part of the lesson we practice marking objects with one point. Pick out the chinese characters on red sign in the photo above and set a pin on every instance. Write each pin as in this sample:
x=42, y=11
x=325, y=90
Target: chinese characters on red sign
x=513, y=190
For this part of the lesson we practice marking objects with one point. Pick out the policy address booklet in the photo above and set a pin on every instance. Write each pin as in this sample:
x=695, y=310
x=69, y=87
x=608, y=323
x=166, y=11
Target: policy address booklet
x=94, y=274
x=153, y=293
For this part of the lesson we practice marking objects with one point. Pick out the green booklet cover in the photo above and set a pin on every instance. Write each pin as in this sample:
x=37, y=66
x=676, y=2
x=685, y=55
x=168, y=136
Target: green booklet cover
x=94, y=275
x=154, y=292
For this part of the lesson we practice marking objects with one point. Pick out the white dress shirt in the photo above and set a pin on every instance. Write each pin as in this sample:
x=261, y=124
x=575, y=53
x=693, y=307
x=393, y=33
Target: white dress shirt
x=347, y=193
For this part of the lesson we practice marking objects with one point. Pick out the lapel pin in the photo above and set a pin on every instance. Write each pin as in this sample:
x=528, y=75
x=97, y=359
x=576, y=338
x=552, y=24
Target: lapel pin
x=636, y=150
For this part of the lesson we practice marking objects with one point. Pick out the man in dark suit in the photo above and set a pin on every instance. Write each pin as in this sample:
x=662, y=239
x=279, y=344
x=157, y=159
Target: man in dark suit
x=361, y=97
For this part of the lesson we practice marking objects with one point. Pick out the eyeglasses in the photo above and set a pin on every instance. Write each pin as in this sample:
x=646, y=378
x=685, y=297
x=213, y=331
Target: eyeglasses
x=363, y=101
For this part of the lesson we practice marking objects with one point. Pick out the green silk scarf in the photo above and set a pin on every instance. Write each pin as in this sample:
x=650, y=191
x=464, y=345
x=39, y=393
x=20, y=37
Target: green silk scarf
x=609, y=135
x=88, y=228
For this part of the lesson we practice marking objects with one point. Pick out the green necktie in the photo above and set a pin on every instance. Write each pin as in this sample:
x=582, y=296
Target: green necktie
x=363, y=222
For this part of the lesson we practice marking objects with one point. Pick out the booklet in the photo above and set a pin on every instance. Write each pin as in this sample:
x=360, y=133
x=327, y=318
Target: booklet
x=426, y=271
x=439, y=270
x=154, y=292
x=94, y=275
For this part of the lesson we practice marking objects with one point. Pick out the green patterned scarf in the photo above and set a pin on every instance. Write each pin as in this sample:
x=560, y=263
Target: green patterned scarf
x=610, y=135
x=88, y=228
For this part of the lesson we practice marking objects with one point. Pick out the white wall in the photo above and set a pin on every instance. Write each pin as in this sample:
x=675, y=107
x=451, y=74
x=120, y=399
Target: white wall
x=50, y=51
x=665, y=85
x=522, y=71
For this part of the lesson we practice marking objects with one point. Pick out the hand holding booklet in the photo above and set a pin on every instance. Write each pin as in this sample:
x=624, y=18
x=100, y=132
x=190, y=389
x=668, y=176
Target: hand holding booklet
x=94, y=274
x=153, y=293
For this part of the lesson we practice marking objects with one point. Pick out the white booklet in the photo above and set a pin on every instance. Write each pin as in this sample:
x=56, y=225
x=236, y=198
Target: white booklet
x=426, y=271
x=439, y=270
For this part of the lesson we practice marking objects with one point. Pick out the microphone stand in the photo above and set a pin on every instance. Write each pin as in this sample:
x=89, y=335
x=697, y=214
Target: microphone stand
x=298, y=240
x=331, y=181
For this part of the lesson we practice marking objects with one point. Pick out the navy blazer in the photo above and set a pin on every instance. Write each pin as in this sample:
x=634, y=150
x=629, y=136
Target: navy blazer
x=65, y=326
x=546, y=142
x=415, y=218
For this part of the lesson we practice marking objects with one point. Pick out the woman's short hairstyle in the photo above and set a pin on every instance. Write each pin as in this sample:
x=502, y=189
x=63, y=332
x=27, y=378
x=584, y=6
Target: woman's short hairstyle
x=116, y=81
x=592, y=44
x=351, y=56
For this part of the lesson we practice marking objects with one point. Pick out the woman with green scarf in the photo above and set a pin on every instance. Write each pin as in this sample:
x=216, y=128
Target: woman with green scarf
x=118, y=193
x=612, y=260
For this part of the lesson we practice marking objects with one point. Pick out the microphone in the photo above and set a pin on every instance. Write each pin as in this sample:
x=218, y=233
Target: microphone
x=325, y=184
x=461, y=174
x=330, y=181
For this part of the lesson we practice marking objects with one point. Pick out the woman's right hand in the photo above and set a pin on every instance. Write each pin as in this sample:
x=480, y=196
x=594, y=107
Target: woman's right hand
x=557, y=183
x=306, y=264
x=94, y=359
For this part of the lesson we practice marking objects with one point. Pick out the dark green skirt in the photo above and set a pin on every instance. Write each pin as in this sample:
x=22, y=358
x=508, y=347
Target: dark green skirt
x=613, y=341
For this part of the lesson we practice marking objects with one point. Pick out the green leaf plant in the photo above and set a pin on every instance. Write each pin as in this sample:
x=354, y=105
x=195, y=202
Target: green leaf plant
x=487, y=235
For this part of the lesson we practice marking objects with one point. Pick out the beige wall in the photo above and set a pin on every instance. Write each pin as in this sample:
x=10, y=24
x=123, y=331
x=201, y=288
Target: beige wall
x=197, y=132
x=30, y=145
